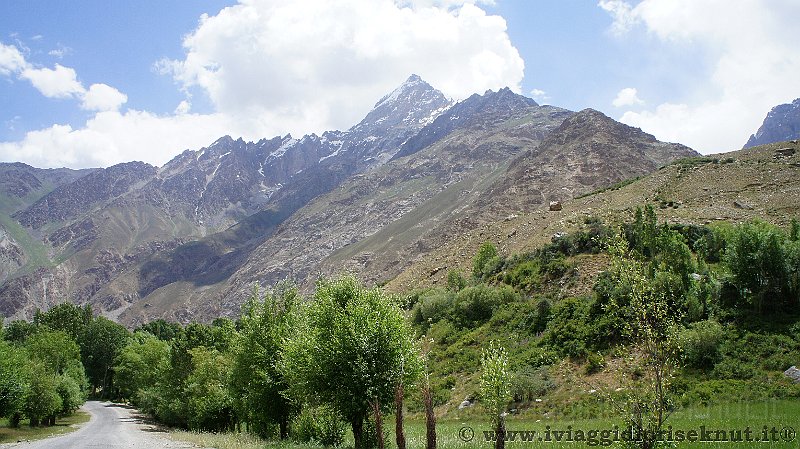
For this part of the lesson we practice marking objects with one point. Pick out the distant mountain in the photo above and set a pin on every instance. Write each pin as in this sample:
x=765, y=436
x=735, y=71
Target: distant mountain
x=187, y=240
x=781, y=124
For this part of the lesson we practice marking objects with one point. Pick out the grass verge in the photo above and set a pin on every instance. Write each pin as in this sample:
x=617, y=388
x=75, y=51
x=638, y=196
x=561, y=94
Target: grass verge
x=27, y=433
x=782, y=415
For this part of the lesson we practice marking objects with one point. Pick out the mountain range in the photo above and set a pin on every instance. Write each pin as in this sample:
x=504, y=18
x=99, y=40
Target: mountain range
x=187, y=241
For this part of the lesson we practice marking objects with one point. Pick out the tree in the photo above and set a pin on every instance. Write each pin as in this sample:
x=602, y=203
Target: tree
x=101, y=343
x=257, y=382
x=138, y=366
x=485, y=254
x=161, y=329
x=210, y=406
x=14, y=381
x=42, y=400
x=652, y=329
x=354, y=347
x=57, y=350
x=66, y=317
x=754, y=254
x=496, y=388
x=18, y=331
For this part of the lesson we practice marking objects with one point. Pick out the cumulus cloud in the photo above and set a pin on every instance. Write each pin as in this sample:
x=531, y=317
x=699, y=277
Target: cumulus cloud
x=307, y=66
x=111, y=137
x=102, y=97
x=754, y=58
x=627, y=97
x=11, y=60
x=60, y=82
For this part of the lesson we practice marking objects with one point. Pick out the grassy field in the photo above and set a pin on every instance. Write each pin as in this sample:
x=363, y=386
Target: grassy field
x=783, y=415
x=27, y=433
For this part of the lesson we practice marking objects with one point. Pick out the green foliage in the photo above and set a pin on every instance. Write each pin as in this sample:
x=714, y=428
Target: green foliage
x=161, y=329
x=455, y=281
x=71, y=394
x=41, y=399
x=18, y=331
x=66, y=317
x=486, y=259
x=318, y=425
x=495, y=381
x=475, y=305
x=257, y=384
x=351, y=347
x=595, y=362
x=699, y=344
x=755, y=257
x=209, y=404
x=100, y=344
x=14, y=379
x=530, y=383
x=55, y=349
x=140, y=366
x=568, y=330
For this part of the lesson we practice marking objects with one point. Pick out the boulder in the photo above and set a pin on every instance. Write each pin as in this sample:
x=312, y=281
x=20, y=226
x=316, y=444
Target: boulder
x=555, y=205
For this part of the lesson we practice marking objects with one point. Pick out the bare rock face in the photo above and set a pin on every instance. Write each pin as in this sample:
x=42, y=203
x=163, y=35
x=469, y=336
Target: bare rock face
x=12, y=257
x=781, y=124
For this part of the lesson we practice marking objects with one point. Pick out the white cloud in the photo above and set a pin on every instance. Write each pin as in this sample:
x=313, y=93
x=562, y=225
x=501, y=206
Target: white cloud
x=627, y=97
x=111, y=137
x=60, y=82
x=622, y=12
x=11, y=60
x=539, y=95
x=754, y=58
x=102, y=97
x=306, y=66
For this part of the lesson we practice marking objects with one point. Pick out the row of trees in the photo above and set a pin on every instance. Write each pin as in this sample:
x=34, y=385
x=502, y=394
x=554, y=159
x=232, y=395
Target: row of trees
x=286, y=366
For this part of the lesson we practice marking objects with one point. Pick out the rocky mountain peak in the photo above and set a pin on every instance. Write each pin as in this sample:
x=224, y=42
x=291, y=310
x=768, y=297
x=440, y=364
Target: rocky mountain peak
x=413, y=102
x=781, y=124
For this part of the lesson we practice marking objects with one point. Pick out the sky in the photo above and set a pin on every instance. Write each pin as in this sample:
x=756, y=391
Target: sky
x=95, y=83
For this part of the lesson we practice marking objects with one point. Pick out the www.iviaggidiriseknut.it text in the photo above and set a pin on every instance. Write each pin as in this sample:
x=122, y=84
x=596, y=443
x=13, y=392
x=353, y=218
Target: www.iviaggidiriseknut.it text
x=607, y=437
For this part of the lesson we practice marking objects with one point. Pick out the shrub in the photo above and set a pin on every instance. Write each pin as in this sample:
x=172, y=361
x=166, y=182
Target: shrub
x=595, y=362
x=318, y=425
x=530, y=383
x=475, y=305
x=699, y=344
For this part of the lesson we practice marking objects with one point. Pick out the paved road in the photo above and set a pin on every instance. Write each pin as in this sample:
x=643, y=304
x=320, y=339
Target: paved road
x=111, y=426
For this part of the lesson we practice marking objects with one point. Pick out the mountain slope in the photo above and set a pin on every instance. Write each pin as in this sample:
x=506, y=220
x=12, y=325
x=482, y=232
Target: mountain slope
x=781, y=124
x=756, y=183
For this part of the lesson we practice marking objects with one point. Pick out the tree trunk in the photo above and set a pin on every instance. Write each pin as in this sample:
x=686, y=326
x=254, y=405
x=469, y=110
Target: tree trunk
x=284, y=428
x=430, y=418
x=376, y=410
x=13, y=422
x=400, y=436
x=34, y=421
x=358, y=432
x=500, y=433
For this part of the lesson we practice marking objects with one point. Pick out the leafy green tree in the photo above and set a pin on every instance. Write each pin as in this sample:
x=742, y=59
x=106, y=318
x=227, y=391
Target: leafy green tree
x=42, y=400
x=57, y=350
x=69, y=390
x=652, y=329
x=66, y=317
x=100, y=344
x=353, y=347
x=210, y=406
x=455, y=281
x=14, y=381
x=755, y=258
x=161, y=328
x=18, y=331
x=486, y=253
x=496, y=388
x=257, y=382
x=139, y=365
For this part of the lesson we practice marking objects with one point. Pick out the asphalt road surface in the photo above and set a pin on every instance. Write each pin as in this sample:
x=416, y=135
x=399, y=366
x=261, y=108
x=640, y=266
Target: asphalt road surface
x=111, y=426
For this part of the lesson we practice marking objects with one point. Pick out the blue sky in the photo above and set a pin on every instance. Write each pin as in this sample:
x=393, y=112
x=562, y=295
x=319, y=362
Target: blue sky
x=94, y=83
